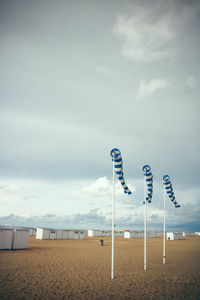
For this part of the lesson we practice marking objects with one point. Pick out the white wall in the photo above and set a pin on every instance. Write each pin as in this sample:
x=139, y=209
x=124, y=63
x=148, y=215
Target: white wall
x=52, y=234
x=90, y=232
x=39, y=233
x=99, y=233
x=59, y=234
x=65, y=234
x=46, y=234
x=20, y=239
x=82, y=235
x=174, y=236
x=6, y=236
x=76, y=235
x=170, y=236
x=127, y=234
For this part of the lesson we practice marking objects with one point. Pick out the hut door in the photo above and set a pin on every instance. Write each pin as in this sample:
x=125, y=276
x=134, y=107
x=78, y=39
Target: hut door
x=52, y=234
x=76, y=235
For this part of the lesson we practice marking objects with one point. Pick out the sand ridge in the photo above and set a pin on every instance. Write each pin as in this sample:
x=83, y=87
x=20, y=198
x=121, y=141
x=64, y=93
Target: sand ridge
x=80, y=269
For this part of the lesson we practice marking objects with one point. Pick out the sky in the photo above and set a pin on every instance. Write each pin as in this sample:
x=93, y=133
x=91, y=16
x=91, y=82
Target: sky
x=79, y=78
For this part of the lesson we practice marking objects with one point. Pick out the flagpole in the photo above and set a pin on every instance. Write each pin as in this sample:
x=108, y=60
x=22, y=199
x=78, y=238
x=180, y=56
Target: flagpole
x=145, y=227
x=113, y=223
x=164, y=231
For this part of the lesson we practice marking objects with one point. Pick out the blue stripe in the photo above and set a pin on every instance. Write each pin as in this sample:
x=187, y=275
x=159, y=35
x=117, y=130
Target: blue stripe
x=118, y=166
x=118, y=172
x=118, y=160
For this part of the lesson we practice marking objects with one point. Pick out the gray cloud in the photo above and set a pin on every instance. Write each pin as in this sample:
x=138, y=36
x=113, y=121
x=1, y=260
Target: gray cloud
x=95, y=219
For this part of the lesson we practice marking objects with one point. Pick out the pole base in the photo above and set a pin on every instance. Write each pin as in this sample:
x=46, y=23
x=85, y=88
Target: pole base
x=163, y=260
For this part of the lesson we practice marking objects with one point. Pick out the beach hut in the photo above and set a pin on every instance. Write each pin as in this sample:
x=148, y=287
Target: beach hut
x=65, y=234
x=6, y=236
x=133, y=234
x=189, y=233
x=174, y=236
x=119, y=233
x=20, y=239
x=99, y=233
x=127, y=234
x=154, y=234
x=197, y=233
x=82, y=235
x=58, y=234
x=43, y=233
x=52, y=234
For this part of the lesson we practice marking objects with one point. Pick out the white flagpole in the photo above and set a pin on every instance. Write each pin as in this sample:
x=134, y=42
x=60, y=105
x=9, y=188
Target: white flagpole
x=113, y=223
x=164, y=235
x=145, y=227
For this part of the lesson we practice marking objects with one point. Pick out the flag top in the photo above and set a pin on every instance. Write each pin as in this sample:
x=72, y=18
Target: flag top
x=149, y=182
x=169, y=190
x=118, y=166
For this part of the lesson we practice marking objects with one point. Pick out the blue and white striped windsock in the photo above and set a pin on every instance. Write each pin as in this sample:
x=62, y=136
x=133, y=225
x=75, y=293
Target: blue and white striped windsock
x=149, y=182
x=117, y=159
x=169, y=190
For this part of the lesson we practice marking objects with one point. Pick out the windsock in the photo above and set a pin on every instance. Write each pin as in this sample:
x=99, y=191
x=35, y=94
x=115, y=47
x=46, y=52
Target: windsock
x=169, y=190
x=117, y=160
x=149, y=182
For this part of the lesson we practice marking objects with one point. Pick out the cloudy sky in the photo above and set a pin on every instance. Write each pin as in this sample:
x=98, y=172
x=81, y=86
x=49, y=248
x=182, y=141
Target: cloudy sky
x=78, y=78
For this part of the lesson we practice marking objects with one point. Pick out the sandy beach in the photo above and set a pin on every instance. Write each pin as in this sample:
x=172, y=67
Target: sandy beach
x=80, y=269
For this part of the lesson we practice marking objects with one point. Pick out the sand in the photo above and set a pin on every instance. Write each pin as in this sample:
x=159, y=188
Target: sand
x=80, y=269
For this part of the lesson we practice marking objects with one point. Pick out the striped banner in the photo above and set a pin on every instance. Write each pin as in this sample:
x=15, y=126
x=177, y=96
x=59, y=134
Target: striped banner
x=117, y=160
x=149, y=182
x=169, y=190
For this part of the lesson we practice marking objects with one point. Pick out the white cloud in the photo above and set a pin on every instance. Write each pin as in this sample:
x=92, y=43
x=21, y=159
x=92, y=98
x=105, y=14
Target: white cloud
x=144, y=39
x=103, y=187
x=147, y=88
x=150, y=33
x=100, y=187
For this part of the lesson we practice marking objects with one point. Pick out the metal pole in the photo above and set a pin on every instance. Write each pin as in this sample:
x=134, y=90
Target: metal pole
x=164, y=232
x=113, y=223
x=145, y=227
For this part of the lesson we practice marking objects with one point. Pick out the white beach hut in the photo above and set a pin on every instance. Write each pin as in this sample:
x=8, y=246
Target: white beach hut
x=92, y=232
x=127, y=234
x=189, y=233
x=133, y=234
x=42, y=234
x=197, y=233
x=6, y=236
x=20, y=239
x=174, y=236
x=52, y=234
x=99, y=233
x=82, y=234
x=58, y=234
x=65, y=234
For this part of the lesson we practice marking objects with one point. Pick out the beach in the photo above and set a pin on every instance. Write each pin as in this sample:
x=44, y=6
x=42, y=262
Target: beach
x=81, y=269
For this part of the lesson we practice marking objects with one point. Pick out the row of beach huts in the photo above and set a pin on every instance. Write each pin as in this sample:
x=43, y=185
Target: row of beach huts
x=17, y=238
